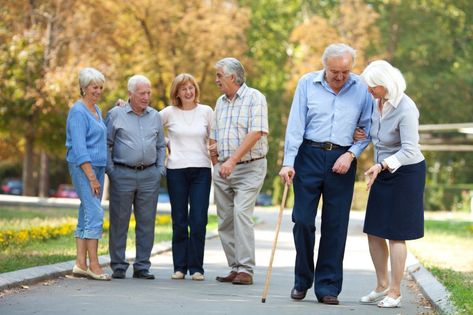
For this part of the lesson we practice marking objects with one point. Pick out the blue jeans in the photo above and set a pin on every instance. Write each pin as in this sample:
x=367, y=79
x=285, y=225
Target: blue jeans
x=90, y=216
x=189, y=186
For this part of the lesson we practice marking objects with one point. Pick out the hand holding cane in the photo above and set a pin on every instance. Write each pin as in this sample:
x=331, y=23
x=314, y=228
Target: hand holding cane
x=275, y=241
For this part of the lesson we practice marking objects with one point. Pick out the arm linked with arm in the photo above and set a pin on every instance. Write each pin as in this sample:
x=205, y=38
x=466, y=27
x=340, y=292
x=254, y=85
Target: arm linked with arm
x=364, y=122
x=213, y=150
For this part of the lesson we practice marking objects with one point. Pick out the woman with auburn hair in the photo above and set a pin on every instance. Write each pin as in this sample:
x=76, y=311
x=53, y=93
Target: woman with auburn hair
x=86, y=143
x=395, y=210
x=188, y=174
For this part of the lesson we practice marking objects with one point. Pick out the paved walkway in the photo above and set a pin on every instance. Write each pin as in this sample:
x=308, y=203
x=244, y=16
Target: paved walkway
x=166, y=296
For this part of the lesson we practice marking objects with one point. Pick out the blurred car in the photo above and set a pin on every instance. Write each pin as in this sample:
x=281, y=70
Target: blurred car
x=12, y=186
x=65, y=191
x=163, y=197
x=264, y=200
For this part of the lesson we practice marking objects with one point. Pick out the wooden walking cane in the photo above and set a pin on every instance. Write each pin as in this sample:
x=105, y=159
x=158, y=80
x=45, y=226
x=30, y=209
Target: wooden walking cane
x=275, y=241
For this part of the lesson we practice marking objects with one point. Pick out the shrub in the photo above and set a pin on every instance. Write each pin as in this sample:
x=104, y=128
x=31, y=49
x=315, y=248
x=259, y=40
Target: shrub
x=21, y=237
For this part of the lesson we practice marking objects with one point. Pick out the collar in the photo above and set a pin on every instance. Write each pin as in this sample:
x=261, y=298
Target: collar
x=395, y=102
x=128, y=108
x=239, y=93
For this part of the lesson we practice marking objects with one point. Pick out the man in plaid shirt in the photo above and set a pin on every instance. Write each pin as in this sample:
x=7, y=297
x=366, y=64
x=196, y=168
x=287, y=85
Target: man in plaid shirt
x=238, y=147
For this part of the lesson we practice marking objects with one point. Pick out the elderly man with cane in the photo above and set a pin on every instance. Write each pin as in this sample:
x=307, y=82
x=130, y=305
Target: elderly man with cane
x=320, y=158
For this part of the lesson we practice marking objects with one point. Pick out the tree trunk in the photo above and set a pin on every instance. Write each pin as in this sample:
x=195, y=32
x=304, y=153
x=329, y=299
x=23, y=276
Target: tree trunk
x=28, y=178
x=44, y=175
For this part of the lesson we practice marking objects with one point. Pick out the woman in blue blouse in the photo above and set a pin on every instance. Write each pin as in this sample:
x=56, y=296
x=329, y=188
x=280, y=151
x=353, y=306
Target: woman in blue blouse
x=395, y=210
x=86, y=143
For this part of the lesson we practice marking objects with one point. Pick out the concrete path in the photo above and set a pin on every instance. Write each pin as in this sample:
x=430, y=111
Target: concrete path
x=166, y=296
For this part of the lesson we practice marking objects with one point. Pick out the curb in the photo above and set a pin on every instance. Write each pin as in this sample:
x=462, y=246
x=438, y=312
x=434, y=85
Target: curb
x=13, y=279
x=436, y=293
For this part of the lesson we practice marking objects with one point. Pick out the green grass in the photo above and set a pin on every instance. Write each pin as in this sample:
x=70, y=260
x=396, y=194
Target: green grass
x=11, y=213
x=459, y=284
x=37, y=253
x=446, y=252
x=461, y=229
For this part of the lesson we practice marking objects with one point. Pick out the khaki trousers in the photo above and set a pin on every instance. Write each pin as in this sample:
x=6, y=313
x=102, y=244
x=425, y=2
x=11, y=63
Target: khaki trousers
x=235, y=197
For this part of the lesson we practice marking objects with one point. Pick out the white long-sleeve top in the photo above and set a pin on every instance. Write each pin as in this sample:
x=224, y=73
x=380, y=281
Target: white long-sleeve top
x=188, y=133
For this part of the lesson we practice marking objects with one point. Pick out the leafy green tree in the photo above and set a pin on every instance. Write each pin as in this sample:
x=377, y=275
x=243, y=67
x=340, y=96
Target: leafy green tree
x=34, y=75
x=164, y=38
x=269, y=49
x=431, y=42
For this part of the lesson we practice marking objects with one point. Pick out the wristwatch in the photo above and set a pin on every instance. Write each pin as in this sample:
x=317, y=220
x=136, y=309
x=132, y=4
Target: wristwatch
x=352, y=155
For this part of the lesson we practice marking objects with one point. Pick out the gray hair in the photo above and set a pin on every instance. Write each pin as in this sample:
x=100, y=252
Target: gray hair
x=337, y=50
x=88, y=75
x=231, y=66
x=135, y=80
x=382, y=73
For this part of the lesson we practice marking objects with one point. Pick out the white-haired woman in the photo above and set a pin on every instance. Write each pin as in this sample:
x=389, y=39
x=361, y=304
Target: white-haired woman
x=86, y=143
x=395, y=210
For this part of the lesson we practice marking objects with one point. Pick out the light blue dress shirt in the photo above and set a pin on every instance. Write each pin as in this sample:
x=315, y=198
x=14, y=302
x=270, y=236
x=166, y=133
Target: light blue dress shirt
x=319, y=114
x=135, y=139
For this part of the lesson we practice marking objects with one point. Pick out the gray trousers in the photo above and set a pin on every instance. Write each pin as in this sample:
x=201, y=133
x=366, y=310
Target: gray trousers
x=138, y=189
x=235, y=197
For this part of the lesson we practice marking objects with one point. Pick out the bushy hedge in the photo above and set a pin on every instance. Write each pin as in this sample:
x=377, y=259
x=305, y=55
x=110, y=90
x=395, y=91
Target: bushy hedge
x=16, y=238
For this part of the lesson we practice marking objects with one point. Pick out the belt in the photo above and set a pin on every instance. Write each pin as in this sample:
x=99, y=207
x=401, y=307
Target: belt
x=252, y=160
x=328, y=146
x=136, y=168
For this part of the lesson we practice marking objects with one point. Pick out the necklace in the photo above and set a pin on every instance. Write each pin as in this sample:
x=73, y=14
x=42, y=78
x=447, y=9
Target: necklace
x=183, y=113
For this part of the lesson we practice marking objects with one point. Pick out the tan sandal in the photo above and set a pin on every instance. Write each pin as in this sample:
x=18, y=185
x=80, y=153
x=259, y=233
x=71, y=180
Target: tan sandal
x=178, y=275
x=79, y=272
x=101, y=277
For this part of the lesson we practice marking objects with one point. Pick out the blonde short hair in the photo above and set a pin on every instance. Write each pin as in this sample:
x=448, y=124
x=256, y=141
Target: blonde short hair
x=178, y=81
x=382, y=73
x=88, y=75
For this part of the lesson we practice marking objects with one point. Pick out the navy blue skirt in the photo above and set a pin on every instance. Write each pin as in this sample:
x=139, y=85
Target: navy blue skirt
x=395, y=209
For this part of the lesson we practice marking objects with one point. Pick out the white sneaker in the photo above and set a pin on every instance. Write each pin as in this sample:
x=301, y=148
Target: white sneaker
x=178, y=275
x=374, y=296
x=389, y=302
x=197, y=276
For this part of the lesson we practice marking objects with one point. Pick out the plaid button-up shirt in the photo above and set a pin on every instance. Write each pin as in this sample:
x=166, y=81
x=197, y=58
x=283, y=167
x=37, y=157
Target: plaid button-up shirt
x=233, y=120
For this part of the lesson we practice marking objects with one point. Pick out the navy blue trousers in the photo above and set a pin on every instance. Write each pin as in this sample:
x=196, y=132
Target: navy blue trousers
x=189, y=191
x=314, y=178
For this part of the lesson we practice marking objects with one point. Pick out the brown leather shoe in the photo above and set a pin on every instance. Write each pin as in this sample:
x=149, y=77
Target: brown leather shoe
x=227, y=278
x=298, y=295
x=243, y=278
x=330, y=300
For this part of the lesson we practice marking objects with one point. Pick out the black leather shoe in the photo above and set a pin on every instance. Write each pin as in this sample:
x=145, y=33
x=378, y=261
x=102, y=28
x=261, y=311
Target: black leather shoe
x=298, y=295
x=143, y=274
x=119, y=274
